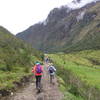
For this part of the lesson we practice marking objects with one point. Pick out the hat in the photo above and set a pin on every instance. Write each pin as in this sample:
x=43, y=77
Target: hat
x=37, y=63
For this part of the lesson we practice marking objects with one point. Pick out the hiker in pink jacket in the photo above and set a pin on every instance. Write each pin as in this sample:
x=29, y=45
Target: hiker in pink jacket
x=38, y=72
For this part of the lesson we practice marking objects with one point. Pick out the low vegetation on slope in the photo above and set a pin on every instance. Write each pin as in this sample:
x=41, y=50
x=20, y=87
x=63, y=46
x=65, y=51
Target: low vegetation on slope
x=80, y=72
x=16, y=59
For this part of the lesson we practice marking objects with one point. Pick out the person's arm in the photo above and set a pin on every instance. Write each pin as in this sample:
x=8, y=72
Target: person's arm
x=34, y=68
x=54, y=68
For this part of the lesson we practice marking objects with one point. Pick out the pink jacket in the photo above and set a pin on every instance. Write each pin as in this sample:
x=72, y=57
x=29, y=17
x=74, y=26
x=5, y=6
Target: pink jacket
x=34, y=71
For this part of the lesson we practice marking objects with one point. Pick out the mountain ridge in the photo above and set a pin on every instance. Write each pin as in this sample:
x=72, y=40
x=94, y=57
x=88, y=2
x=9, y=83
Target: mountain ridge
x=64, y=29
x=13, y=50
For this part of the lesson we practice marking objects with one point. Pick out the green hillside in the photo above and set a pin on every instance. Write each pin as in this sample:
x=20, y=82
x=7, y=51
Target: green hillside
x=80, y=72
x=16, y=59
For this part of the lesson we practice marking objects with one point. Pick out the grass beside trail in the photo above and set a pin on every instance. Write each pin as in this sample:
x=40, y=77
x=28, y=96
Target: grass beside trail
x=7, y=78
x=16, y=61
x=84, y=65
x=65, y=89
x=15, y=74
x=81, y=65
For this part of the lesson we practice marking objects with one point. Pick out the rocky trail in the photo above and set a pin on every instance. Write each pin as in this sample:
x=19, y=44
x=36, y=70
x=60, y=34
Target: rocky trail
x=49, y=91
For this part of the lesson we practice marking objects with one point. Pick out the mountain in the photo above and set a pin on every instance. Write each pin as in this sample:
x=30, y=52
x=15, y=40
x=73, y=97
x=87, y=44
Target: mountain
x=16, y=61
x=14, y=52
x=66, y=29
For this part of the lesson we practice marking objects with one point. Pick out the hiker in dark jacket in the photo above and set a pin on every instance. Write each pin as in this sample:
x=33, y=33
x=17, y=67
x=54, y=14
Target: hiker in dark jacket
x=46, y=60
x=38, y=72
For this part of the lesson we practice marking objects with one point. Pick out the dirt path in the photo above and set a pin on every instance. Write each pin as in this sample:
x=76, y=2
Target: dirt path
x=49, y=92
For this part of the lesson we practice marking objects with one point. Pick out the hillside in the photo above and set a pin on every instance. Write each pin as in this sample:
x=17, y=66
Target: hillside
x=79, y=74
x=16, y=60
x=66, y=29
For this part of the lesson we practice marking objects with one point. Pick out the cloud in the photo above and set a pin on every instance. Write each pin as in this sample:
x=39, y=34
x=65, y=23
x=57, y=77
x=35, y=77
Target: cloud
x=17, y=15
x=76, y=4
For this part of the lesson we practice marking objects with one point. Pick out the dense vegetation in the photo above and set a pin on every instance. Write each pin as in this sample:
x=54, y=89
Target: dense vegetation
x=16, y=59
x=80, y=72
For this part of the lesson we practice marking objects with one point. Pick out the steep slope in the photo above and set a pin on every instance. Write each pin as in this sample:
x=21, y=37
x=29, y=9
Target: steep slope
x=16, y=60
x=14, y=50
x=66, y=29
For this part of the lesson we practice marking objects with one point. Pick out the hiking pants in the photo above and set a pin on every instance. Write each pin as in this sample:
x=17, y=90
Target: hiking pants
x=38, y=81
x=51, y=78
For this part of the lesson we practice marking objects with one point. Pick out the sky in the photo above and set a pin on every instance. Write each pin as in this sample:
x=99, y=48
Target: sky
x=18, y=15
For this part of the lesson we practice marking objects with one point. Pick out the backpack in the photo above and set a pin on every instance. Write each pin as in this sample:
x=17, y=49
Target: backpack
x=38, y=69
x=51, y=70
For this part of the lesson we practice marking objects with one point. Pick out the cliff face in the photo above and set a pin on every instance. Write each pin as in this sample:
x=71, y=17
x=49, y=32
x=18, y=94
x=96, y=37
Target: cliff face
x=66, y=30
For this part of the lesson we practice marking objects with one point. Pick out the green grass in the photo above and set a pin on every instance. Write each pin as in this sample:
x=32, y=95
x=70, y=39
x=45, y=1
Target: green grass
x=16, y=59
x=7, y=79
x=81, y=66
x=16, y=73
x=69, y=96
x=82, y=69
x=64, y=89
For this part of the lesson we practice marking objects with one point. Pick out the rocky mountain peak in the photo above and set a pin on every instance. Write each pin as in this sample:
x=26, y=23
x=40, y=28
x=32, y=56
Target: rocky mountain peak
x=57, y=14
x=66, y=28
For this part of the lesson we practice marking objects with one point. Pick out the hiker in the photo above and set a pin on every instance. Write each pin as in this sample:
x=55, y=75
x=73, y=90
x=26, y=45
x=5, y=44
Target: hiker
x=47, y=60
x=51, y=70
x=38, y=72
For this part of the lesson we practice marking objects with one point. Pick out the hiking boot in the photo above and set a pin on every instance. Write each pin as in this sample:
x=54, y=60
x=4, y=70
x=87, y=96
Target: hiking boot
x=38, y=90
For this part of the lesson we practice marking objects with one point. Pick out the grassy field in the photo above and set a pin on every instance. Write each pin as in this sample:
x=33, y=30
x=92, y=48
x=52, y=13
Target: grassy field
x=84, y=67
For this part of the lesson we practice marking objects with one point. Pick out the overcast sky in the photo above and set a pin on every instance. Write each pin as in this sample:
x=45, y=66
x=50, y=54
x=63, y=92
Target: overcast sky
x=17, y=15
